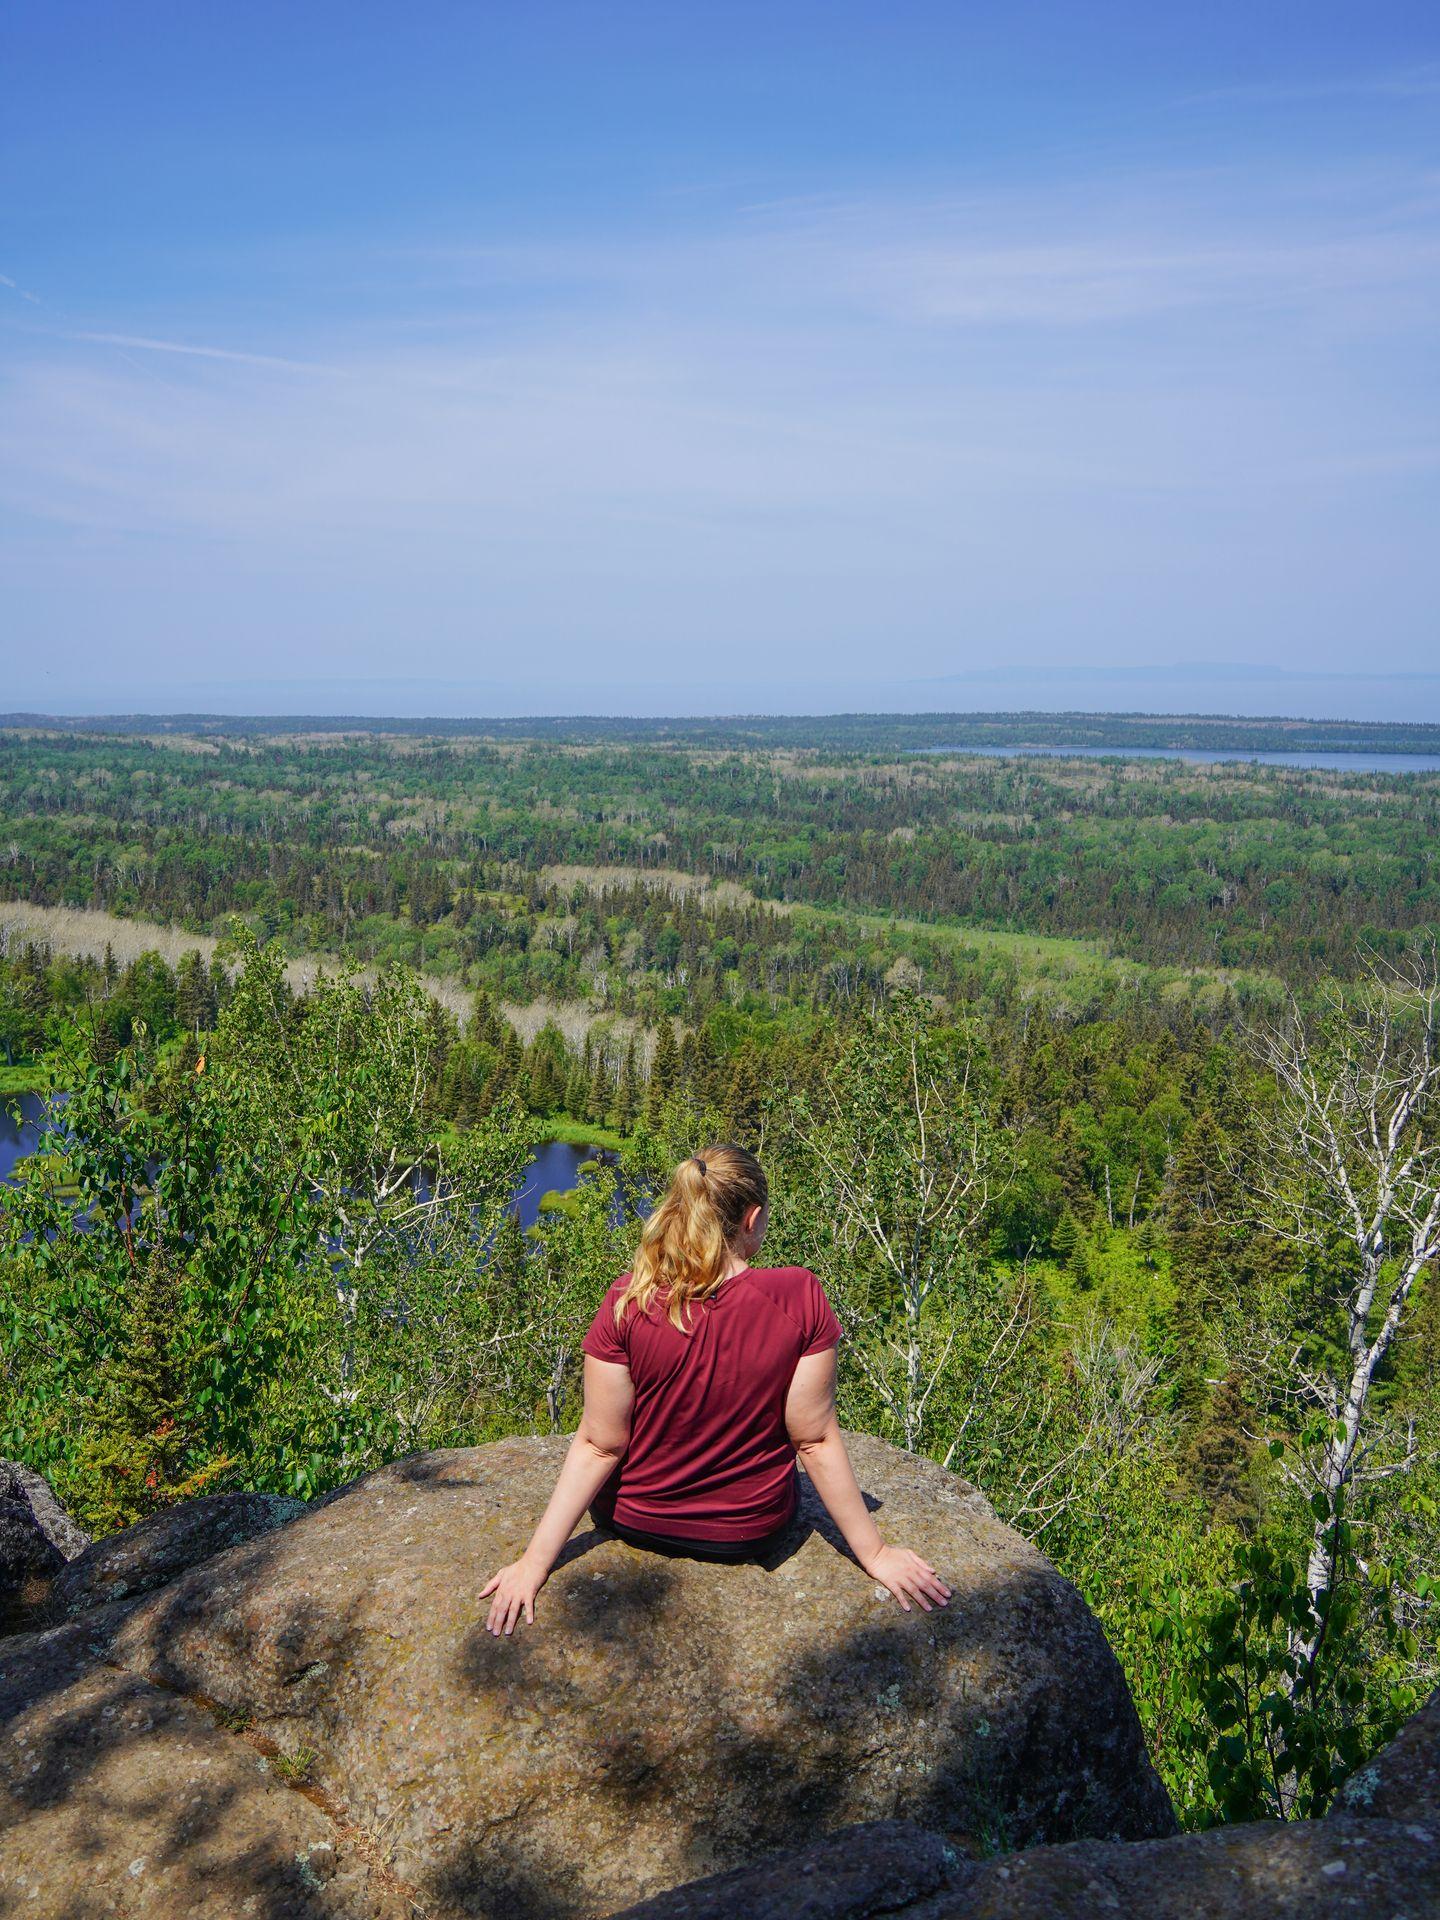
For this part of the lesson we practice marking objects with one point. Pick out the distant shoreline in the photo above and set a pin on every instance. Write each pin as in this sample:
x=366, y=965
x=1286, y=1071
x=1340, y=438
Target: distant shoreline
x=836, y=732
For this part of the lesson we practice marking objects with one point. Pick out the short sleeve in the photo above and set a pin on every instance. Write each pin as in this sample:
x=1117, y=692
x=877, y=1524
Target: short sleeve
x=603, y=1341
x=821, y=1327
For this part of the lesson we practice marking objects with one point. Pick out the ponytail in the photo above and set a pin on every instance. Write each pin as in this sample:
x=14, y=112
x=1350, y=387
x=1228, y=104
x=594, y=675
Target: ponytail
x=685, y=1241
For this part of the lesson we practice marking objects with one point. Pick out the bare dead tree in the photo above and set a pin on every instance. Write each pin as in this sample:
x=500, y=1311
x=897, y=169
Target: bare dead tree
x=1082, y=1438
x=1350, y=1163
x=904, y=1159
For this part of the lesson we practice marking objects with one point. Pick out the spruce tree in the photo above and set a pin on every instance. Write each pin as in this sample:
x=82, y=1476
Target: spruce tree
x=219, y=983
x=1199, y=1213
x=104, y=1042
x=135, y=1449
x=663, y=1070
x=744, y=1096
x=627, y=1094
x=1218, y=1460
x=705, y=1069
x=486, y=1023
x=194, y=1007
x=597, y=1098
x=577, y=1086
x=1065, y=1238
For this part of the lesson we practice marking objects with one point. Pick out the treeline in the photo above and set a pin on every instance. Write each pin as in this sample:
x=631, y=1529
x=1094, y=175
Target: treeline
x=831, y=732
x=1102, y=1104
x=1255, y=868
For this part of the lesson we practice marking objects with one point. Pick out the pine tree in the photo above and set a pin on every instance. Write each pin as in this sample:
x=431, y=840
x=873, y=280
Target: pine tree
x=135, y=1449
x=486, y=1023
x=627, y=1094
x=597, y=1098
x=1218, y=1460
x=663, y=1070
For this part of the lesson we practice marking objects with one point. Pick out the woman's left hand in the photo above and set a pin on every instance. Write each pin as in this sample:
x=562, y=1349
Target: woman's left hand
x=514, y=1589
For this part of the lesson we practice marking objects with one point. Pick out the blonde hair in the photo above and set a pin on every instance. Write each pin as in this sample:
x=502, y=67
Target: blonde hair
x=684, y=1243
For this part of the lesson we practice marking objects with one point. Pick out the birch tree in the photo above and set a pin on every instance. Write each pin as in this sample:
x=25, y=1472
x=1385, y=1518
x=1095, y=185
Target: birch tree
x=897, y=1159
x=340, y=1085
x=1350, y=1160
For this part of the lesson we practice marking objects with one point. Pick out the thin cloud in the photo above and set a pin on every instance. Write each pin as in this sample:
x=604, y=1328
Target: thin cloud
x=1407, y=83
x=204, y=353
x=15, y=287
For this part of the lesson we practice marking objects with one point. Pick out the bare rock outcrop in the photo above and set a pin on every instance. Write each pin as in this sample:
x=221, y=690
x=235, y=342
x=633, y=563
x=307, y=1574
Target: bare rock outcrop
x=1345, y=1869
x=664, y=1718
x=155, y=1550
x=121, y=1798
x=1377, y=1857
x=1402, y=1782
x=37, y=1538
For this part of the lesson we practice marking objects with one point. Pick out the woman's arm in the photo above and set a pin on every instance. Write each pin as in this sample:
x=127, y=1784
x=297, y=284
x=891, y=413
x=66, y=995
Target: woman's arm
x=597, y=1449
x=815, y=1434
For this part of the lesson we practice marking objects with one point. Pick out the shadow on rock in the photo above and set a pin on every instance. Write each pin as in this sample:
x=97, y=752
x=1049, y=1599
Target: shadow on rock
x=664, y=1718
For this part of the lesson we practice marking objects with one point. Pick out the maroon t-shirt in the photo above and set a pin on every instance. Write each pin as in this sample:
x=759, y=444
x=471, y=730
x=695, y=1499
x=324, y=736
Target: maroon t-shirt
x=709, y=1457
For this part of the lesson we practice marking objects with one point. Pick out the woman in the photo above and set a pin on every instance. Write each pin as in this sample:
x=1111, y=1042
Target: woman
x=704, y=1378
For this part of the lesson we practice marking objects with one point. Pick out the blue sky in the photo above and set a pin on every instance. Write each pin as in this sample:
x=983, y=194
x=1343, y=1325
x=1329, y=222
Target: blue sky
x=738, y=357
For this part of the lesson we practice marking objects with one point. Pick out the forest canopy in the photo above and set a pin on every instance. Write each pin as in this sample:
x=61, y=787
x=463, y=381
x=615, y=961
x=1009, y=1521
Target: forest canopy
x=1066, y=1073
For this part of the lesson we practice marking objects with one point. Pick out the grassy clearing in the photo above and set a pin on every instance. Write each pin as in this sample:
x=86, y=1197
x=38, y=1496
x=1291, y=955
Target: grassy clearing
x=26, y=1076
x=1050, y=959
x=580, y=1133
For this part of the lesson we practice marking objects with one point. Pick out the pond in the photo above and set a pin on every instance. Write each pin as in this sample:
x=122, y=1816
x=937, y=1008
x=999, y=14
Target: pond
x=553, y=1168
x=19, y=1128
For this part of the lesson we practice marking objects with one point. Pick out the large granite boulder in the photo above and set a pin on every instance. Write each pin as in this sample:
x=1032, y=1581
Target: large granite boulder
x=37, y=1538
x=1376, y=1857
x=124, y=1799
x=1345, y=1869
x=662, y=1719
x=156, y=1549
x=1402, y=1782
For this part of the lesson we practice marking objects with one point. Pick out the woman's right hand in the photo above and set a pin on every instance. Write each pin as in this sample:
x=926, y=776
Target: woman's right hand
x=514, y=1589
x=908, y=1578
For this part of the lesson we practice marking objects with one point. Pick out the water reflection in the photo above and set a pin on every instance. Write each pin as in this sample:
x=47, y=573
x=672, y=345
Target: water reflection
x=20, y=1118
x=553, y=1168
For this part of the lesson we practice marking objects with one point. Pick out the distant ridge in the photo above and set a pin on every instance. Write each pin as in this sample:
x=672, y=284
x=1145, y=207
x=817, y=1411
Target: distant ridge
x=845, y=732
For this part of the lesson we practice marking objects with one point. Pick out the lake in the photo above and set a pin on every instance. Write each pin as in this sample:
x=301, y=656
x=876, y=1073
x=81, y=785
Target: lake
x=1208, y=756
x=554, y=1167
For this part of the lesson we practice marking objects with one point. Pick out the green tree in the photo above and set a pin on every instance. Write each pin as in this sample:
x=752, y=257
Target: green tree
x=664, y=1073
x=627, y=1094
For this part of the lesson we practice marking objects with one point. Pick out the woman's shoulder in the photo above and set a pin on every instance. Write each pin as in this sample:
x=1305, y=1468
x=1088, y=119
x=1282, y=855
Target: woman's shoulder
x=797, y=1295
x=783, y=1284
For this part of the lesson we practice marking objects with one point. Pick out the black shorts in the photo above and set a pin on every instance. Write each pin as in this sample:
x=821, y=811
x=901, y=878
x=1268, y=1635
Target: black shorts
x=730, y=1551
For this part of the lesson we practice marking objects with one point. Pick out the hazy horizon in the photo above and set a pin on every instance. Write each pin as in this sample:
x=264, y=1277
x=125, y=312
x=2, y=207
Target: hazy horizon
x=1202, y=688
